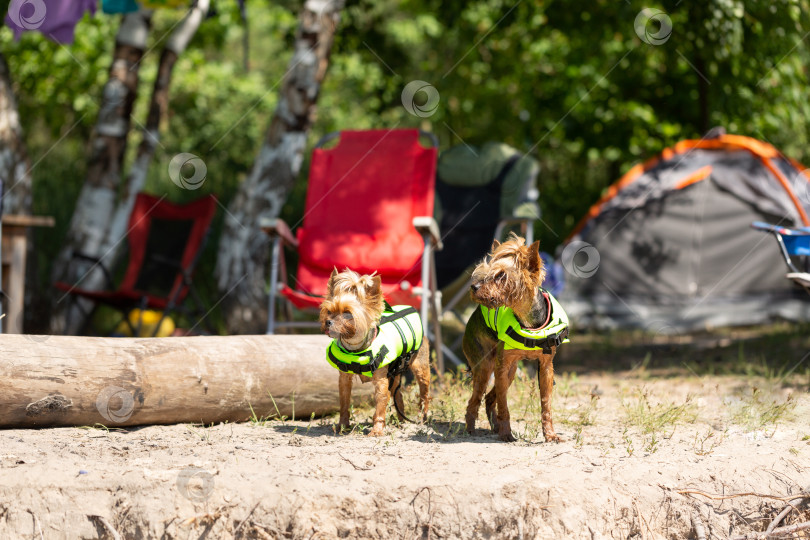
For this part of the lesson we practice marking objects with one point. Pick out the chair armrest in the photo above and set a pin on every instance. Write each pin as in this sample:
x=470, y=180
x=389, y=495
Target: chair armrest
x=427, y=226
x=762, y=226
x=506, y=222
x=277, y=227
x=777, y=229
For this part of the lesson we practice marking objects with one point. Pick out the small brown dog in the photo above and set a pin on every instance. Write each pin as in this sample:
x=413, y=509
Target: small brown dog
x=375, y=341
x=516, y=320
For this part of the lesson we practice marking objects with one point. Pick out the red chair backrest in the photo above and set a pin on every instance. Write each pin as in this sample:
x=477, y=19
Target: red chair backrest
x=178, y=230
x=361, y=200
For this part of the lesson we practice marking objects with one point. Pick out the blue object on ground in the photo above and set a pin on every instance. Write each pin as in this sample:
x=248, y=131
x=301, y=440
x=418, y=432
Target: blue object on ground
x=555, y=274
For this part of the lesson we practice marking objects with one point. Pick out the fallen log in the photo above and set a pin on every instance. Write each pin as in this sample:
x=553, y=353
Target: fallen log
x=77, y=381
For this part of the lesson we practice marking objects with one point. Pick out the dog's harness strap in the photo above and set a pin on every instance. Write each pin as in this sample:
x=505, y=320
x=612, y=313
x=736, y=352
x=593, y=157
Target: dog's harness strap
x=402, y=336
x=545, y=343
x=398, y=367
x=357, y=367
x=413, y=334
x=394, y=319
x=398, y=315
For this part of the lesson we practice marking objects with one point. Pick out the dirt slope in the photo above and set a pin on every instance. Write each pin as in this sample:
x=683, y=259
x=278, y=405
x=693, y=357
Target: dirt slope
x=631, y=443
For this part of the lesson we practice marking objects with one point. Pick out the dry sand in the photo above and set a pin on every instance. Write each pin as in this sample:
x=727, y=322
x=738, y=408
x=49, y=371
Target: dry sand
x=632, y=442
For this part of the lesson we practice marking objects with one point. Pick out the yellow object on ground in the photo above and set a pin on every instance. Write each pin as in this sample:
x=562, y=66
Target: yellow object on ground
x=148, y=320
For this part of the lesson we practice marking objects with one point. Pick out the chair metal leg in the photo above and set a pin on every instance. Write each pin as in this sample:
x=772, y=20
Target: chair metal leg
x=784, y=251
x=426, y=254
x=461, y=294
x=436, y=305
x=448, y=352
x=201, y=309
x=271, y=306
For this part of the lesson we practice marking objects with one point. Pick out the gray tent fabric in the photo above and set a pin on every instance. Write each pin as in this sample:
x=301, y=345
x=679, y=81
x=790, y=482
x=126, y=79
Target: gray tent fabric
x=675, y=248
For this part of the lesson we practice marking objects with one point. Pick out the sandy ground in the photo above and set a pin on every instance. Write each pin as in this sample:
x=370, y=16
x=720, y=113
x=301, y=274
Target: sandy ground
x=632, y=442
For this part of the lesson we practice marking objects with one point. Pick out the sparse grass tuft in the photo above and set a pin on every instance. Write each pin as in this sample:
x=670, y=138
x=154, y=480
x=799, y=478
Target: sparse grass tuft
x=705, y=444
x=653, y=418
x=755, y=411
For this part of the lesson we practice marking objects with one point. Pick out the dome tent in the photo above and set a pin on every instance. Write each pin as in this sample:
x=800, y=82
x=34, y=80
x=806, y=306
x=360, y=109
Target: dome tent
x=670, y=243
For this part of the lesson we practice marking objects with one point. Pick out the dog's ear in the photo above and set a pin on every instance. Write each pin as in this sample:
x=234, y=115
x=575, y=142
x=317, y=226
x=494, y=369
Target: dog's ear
x=535, y=261
x=330, y=286
x=495, y=244
x=375, y=289
x=374, y=295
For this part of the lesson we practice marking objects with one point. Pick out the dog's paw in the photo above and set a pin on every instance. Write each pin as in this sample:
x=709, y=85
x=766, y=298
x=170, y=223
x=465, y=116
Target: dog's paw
x=376, y=432
x=507, y=436
x=343, y=428
x=553, y=437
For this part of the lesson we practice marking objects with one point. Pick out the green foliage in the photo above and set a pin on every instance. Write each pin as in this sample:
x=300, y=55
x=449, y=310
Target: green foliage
x=571, y=82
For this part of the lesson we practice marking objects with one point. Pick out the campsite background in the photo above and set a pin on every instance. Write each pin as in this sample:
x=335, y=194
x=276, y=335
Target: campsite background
x=667, y=434
x=571, y=82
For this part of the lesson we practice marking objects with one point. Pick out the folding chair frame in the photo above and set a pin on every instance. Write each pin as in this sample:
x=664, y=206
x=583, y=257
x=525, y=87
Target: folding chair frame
x=796, y=275
x=173, y=303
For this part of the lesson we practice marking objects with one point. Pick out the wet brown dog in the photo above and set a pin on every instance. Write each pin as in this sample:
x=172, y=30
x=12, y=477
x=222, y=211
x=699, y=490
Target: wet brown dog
x=516, y=320
x=375, y=341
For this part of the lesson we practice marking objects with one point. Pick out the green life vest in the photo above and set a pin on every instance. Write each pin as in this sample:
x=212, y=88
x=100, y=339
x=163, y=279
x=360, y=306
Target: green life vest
x=505, y=324
x=399, y=336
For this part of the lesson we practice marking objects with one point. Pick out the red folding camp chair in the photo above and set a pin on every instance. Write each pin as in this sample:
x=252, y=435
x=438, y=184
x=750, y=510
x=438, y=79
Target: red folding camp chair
x=165, y=241
x=369, y=208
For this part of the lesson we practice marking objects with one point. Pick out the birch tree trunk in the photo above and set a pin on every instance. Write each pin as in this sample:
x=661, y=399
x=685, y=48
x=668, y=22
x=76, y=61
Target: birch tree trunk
x=14, y=164
x=243, y=254
x=15, y=176
x=158, y=114
x=96, y=203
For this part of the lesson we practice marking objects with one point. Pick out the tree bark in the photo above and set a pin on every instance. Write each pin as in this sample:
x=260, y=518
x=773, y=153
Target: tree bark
x=243, y=251
x=158, y=115
x=15, y=180
x=81, y=381
x=96, y=203
x=15, y=167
